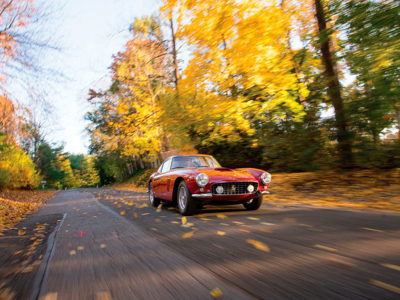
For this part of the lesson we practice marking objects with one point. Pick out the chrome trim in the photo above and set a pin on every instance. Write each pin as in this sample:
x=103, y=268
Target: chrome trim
x=255, y=191
x=205, y=195
x=263, y=192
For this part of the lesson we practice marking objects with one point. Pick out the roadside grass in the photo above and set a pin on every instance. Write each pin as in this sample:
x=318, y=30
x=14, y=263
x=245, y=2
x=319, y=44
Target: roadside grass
x=360, y=189
x=363, y=189
x=16, y=204
x=137, y=183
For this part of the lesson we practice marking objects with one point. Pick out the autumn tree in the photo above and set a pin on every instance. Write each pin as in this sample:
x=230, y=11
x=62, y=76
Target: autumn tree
x=127, y=114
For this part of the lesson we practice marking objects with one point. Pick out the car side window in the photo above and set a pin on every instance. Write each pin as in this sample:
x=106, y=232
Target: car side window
x=166, y=166
x=160, y=168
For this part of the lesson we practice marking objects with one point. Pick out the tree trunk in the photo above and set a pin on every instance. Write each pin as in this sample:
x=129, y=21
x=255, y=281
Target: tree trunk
x=334, y=89
x=174, y=56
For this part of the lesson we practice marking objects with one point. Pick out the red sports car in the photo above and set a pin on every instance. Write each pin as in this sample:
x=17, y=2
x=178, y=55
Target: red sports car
x=190, y=181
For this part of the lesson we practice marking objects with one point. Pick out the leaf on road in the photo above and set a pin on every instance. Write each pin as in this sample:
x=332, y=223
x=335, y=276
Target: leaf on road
x=80, y=248
x=102, y=246
x=325, y=248
x=184, y=220
x=187, y=225
x=221, y=216
x=385, y=286
x=390, y=266
x=216, y=293
x=21, y=232
x=145, y=214
x=266, y=223
x=122, y=213
x=253, y=218
x=159, y=208
x=258, y=245
x=72, y=252
x=289, y=220
x=245, y=230
x=187, y=235
x=221, y=233
x=238, y=223
x=372, y=229
x=174, y=222
x=224, y=224
x=135, y=215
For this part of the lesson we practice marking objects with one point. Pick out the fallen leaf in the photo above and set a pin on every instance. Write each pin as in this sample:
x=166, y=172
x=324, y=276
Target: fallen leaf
x=184, y=220
x=122, y=213
x=253, y=218
x=187, y=225
x=289, y=220
x=145, y=214
x=159, y=208
x=135, y=215
x=216, y=293
x=372, y=229
x=80, y=248
x=72, y=252
x=244, y=230
x=237, y=222
x=325, y=248
x=221, y=216
x=385, y=286
x=21, y=232
x=390, y=266
x=102, y=246
x=221, y=233
x=187, y=235
x=341, y=262
x=174, y=222
x=258, y=245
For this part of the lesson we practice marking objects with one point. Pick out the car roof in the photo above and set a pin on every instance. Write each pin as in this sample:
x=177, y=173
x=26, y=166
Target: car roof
x=183, y=155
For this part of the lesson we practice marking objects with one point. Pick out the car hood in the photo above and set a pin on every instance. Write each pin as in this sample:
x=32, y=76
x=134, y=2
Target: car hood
x=226, y=174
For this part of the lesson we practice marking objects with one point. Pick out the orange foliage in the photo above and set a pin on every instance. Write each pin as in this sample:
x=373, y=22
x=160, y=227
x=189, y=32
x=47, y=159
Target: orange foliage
x=15, y=205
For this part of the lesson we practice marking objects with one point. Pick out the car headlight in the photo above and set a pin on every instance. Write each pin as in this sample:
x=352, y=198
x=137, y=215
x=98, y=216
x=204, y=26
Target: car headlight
x=202, y=180
x=266, y=178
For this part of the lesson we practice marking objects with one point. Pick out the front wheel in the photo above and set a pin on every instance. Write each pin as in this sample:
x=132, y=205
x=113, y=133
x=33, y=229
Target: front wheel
x=152, y=199
x=186, y=205
x=253, y=204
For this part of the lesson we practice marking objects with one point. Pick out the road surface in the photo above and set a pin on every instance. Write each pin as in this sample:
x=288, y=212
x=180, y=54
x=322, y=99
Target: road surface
x=111, y=245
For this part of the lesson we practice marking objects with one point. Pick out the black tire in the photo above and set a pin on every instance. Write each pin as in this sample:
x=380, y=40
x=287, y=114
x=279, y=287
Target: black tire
x=153, y=200
x=253, y=204
x=186, y=205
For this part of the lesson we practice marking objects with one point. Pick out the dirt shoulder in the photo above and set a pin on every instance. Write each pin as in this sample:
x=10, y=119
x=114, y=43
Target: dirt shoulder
x=23, y=238
x=366, y=189
x=16, y=204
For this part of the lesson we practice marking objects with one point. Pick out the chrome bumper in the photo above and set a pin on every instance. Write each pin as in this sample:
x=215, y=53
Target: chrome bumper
x=205, y=195
x=263, y=192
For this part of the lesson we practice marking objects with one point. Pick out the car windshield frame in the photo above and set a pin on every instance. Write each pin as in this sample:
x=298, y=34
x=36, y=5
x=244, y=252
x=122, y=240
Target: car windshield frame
x=194, y=162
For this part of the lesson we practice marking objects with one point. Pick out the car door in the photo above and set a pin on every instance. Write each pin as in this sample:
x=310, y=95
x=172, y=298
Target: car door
x=164, y=178
x=156, y=181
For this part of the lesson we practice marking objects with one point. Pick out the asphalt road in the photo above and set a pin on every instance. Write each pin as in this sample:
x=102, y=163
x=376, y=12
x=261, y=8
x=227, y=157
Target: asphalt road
x=111, y=245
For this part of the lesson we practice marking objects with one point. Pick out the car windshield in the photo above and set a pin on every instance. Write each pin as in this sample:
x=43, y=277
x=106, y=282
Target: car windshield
x=194, y=162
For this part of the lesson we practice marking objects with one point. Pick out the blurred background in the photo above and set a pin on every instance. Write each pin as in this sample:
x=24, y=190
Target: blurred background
x=287, y=86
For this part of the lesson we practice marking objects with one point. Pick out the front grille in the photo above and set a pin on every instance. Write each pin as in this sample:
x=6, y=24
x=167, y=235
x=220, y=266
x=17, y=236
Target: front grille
x=234, y=188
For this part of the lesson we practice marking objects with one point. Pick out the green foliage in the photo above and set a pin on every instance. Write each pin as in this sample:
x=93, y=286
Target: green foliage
x=16, y=167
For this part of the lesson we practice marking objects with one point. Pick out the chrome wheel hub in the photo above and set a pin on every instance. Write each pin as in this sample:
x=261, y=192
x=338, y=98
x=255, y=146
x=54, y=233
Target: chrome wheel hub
x=151, y=195
x=182, y=198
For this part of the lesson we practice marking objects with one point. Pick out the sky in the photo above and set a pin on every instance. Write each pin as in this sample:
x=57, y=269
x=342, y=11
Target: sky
x=88, y=32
